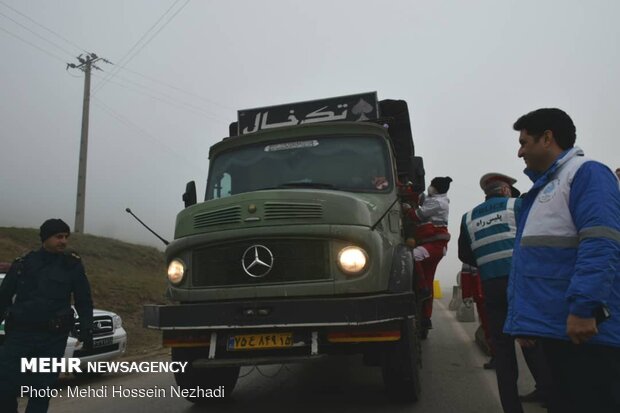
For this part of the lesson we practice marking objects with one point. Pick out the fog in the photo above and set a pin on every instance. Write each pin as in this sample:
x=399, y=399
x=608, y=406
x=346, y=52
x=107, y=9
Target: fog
x=467, y=69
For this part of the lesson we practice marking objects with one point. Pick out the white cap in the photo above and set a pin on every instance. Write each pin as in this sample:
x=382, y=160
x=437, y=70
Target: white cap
x=495, y=176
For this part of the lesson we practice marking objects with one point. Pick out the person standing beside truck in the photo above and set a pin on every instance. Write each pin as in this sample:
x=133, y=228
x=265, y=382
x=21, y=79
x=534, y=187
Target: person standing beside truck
x=486, y=241
x=35, y=302
x=431, y=239
x=564, y=288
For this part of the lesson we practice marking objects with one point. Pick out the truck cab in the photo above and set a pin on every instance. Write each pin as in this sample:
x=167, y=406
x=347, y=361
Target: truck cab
x=298, y=250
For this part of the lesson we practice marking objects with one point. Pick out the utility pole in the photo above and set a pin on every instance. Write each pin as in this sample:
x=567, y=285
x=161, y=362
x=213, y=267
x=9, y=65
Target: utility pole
x=86, y=63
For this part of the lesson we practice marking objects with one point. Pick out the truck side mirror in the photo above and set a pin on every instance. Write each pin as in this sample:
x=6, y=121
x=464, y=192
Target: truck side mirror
x=189, y=197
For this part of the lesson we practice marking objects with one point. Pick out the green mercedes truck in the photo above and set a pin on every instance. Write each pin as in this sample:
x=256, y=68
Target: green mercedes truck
x=298, y=250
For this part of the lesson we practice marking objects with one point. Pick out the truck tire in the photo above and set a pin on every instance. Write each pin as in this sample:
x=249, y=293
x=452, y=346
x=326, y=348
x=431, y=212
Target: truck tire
x=421, y=328
x=401, y=367
x=204, y=378
x=423, y=332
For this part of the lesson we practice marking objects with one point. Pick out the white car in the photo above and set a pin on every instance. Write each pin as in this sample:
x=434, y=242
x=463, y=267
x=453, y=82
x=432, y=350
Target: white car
x=109, y=336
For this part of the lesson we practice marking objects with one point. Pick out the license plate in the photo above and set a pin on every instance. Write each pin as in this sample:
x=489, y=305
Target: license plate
x=260, y=341
x=102, y=342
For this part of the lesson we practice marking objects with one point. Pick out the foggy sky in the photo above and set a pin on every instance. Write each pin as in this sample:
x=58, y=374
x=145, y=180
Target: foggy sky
x=467, y=69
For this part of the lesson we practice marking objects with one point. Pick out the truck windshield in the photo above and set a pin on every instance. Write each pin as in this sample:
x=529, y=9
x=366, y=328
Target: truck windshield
x=347, y=163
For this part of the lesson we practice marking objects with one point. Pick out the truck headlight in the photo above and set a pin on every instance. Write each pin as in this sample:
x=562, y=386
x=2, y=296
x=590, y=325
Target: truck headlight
x=176, y=270
x=352, y=260
x=117, y=322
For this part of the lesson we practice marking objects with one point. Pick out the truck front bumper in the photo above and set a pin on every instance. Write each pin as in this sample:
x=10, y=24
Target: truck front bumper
x=286, y=312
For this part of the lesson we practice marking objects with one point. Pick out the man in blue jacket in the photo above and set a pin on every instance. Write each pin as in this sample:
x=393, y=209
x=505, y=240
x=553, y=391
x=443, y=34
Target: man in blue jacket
x=564, y=284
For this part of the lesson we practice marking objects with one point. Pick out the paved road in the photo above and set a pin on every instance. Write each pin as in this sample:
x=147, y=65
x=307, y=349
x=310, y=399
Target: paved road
x=452, y=377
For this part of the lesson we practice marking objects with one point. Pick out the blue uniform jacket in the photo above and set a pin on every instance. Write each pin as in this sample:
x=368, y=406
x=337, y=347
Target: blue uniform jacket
x=567, y=251
x=487, y=236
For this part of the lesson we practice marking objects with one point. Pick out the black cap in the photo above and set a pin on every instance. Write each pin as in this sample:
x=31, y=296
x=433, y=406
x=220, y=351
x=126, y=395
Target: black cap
x=52, y=227
x=441, y=184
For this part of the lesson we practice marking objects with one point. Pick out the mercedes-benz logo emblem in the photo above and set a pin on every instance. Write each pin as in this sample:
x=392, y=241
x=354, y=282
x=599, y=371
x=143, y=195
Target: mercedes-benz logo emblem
x=257, y=261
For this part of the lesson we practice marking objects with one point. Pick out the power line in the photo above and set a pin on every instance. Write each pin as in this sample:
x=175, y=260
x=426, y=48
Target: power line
x=157, y=32
x=168, y=99
x=128, y=56
x=34, y=45
x=42, y=26
x=172, y=103
x=126, y=59
x=122, y=60
x=37, y=34
x=117, y=68
x=69, y=73
x=179, y=89
x=111, y=112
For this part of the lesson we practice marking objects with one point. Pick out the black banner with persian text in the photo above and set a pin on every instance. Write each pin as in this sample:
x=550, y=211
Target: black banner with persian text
x=360, y=107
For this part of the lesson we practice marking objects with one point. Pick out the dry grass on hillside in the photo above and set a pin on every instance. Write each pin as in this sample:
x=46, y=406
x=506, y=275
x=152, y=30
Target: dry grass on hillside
x=123, y=277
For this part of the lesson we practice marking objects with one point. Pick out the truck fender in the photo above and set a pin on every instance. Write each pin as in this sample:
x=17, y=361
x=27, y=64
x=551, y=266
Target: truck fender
x=401, y=273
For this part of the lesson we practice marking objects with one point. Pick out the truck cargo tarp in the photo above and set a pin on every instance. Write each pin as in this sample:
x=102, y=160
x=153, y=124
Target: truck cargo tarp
x=396, y=114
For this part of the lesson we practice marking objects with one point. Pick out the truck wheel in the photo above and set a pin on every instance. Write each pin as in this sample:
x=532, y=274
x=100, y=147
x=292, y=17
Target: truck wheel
x=422, y=325
x=421, y=328
x=401, y=367
x=420, y=298
x=203, y=378
x=423, y=333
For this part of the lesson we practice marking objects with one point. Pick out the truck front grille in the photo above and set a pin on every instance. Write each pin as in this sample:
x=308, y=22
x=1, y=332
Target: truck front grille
x=294, y=260
x=230, y=215
x=288, y=210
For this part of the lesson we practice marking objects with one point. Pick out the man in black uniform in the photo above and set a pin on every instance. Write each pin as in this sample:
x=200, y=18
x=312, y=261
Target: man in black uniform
x=35, y=302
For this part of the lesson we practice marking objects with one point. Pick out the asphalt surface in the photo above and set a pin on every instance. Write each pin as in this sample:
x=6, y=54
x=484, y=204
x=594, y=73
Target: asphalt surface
x=453, y=380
